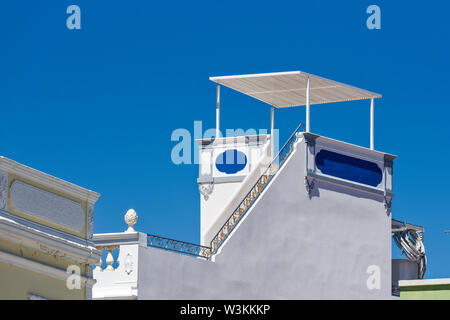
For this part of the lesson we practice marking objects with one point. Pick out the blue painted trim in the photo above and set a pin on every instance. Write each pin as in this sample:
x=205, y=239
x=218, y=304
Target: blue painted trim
x=231, y=161
x=349, y=168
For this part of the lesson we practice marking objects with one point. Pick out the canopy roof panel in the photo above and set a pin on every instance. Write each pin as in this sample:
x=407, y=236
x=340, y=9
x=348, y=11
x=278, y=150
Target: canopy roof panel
x=288, y=89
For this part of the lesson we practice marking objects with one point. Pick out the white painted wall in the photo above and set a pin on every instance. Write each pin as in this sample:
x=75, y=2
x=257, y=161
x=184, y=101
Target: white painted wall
x=289, y=246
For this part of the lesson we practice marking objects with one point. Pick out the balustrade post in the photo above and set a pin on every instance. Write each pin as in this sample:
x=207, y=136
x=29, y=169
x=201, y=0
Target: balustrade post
x=109, y=259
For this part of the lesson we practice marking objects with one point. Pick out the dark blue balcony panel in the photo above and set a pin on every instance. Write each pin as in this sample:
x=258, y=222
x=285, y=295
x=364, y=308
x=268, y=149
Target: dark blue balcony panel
x=231, y=161
x=349, y=168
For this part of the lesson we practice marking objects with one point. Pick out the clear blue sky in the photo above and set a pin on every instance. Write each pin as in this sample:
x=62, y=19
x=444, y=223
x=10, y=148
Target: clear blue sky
x=97, y=106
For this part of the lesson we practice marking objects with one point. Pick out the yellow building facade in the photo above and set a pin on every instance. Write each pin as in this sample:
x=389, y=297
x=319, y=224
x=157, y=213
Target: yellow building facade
x=46, y=229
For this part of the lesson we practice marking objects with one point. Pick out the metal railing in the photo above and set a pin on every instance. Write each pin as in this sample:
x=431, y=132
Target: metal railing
x=255, y=191
x=179, y=246
x=243, y=207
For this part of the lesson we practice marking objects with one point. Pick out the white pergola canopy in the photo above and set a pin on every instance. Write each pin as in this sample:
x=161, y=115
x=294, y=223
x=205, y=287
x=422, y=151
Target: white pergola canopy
x=291, y=89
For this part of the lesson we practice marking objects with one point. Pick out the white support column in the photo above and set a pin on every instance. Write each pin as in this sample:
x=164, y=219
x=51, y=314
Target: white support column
x=371, y=124
x=307, y=104
x=272, y=135
x=218, y=112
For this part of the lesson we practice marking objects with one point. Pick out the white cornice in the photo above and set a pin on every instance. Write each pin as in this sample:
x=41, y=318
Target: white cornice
x=261, y=138
x=47, y=240
x=120, y=238
x=424, y=282
x=41, y=268
x=48, y=180
x=355, y=149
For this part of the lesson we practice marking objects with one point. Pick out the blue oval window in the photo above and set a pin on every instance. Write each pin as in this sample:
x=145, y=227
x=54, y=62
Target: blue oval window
x=231, y=161
x=349, y=168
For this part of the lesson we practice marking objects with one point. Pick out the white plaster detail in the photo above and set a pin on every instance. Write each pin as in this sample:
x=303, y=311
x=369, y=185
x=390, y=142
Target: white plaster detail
x=51, y=251
x=206, y=189
x=47, y=205
x=128, y=263
x=131, y=219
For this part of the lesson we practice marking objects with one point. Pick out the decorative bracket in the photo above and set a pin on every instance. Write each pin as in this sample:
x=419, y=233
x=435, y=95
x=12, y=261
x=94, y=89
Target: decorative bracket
x=309, y=186
x=206, y=189
x=387, y=205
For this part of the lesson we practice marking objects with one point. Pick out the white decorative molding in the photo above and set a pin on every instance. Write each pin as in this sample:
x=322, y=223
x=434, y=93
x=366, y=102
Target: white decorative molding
x=131, y=219
x=128, y=263
x=47, y=205
x=119, y=238
x=206, y=189
x=41, y=268
x=47, y=240
x=3, y=189
x=230, y=141
x=218, y=180
x=51, y=251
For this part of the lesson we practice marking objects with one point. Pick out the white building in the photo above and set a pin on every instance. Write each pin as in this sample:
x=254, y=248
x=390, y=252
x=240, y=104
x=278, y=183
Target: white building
x=312, y=221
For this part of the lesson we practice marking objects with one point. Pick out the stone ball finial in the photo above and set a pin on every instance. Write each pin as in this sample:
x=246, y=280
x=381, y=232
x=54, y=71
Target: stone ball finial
x=131, y=219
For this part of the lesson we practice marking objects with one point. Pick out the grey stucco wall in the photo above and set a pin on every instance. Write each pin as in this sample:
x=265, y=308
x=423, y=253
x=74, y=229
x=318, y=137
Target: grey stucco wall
x=288, y=247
